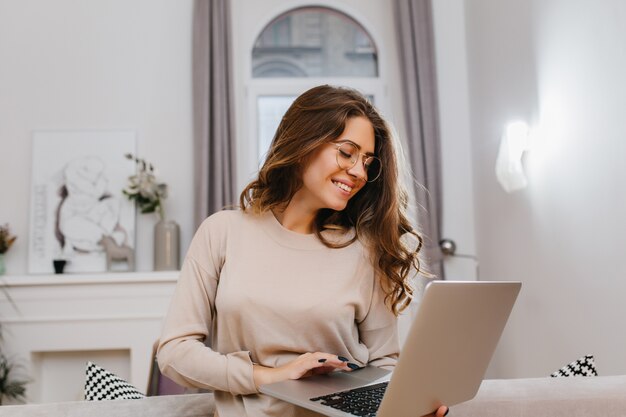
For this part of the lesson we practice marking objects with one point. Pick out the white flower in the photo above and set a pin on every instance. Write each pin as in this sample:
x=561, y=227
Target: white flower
x=144, y=188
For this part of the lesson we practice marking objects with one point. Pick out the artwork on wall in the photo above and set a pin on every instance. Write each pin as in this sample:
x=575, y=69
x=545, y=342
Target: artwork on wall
x=77, y=206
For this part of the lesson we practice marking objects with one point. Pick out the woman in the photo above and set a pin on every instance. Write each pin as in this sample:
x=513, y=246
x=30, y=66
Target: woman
x=309, y=276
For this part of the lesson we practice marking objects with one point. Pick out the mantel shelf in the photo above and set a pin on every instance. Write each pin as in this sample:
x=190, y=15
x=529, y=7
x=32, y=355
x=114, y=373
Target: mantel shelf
x=55, y=322
x=88, y=278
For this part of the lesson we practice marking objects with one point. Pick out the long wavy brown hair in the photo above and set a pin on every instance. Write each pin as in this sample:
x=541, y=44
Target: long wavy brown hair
x=377, y=212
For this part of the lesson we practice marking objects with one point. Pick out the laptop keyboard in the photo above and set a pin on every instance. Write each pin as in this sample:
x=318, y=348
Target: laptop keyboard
x=363, y=401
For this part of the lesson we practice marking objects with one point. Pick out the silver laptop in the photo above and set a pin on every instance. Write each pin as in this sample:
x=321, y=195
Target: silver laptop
x=443, y=360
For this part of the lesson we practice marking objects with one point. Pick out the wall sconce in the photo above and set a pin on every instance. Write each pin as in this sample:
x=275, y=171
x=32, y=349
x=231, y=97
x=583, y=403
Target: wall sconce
x=509, y=170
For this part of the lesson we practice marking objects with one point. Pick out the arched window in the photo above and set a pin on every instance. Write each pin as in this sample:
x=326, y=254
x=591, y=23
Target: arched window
x=314, y=42
x=301, y=48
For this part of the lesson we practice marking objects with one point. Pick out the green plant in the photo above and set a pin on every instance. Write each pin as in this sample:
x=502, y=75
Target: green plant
x=6, y=240
x=144, y=188
x=10, y=387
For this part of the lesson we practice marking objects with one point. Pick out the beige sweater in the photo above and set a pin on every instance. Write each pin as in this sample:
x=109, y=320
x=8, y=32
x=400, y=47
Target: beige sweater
x=256, y=292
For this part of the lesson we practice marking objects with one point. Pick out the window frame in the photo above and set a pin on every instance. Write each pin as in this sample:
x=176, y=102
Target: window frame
x=248, y=141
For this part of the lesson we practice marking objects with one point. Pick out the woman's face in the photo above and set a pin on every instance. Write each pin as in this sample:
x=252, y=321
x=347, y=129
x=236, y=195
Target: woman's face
x=324, y=183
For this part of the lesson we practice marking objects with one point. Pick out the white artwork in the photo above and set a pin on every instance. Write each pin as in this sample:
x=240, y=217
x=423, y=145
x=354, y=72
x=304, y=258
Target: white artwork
x=76, y=199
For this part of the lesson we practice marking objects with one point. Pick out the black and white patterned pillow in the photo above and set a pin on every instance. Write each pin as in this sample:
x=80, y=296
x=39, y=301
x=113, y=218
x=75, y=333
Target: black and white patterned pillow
x=584, y=366
x=101, y=384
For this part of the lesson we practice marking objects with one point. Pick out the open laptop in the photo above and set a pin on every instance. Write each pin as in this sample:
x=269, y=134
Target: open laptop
x=443, y=360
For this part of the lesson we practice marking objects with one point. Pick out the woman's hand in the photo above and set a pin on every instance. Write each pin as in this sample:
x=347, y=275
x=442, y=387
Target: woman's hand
x=313, y=364
x=441, y=412
x=304, y=365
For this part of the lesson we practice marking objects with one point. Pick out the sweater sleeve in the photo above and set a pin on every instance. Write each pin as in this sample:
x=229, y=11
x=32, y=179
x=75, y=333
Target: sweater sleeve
x=182, y=354
x=379, y=331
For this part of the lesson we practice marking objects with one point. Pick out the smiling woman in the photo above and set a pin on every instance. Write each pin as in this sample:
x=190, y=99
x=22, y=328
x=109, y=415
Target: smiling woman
x=323, y=224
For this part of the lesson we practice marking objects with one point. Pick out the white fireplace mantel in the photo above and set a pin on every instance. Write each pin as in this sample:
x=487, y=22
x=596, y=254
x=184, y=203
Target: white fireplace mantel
x=57, y=322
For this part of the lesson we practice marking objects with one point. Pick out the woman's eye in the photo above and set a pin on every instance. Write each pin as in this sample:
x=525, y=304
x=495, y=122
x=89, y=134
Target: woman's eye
x=345, y=154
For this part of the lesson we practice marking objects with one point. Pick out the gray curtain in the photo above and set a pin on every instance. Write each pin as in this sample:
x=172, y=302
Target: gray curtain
x=213, y=116
x=417, y=52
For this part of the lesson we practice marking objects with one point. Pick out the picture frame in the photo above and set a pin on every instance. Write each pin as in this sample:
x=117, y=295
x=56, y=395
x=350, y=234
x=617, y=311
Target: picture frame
x=76, y=198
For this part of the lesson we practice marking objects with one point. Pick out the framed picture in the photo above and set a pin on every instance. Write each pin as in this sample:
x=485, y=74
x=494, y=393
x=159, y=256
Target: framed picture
x=77, y=205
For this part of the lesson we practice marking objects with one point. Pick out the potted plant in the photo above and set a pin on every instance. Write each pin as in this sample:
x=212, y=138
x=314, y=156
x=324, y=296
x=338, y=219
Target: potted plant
x=11, y=388
x=148, y=193
x=144, y=189
x=6, y=241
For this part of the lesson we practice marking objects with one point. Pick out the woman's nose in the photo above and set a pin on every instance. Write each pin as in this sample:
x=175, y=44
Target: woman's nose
x=358, y=171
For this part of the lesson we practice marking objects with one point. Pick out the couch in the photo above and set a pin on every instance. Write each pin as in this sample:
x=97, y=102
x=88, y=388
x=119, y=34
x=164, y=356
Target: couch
x=533, y=397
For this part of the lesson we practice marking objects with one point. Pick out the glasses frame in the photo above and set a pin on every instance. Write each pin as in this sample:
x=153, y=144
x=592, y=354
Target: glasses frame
x=366, y=158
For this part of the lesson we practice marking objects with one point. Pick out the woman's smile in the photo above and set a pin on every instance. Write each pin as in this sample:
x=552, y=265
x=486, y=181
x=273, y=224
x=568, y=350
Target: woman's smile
x=344, y=186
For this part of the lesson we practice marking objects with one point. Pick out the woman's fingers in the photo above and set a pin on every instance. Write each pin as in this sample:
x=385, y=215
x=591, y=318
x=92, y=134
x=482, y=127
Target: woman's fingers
x=313, y=363
x=326, y=362
x=442, y=411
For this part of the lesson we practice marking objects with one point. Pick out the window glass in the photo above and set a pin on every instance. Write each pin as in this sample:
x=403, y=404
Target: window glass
x=314, y=42
x=270, y=110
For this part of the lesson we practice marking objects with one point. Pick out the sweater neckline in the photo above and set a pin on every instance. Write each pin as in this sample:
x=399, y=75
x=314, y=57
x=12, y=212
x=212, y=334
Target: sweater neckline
x=286, y=237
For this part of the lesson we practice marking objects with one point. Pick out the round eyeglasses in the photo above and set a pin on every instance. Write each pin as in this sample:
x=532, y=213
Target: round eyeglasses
x=348, y=155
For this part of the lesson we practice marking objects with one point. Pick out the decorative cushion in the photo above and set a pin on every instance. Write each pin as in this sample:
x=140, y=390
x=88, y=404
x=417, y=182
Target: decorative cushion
x=584, y=366
x=101, y=384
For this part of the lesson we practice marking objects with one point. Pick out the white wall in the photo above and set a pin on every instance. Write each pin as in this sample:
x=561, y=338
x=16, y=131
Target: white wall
x=558, y=64
x=96, y=65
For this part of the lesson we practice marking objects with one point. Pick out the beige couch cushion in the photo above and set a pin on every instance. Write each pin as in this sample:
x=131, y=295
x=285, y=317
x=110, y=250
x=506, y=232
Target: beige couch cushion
x=551, y=397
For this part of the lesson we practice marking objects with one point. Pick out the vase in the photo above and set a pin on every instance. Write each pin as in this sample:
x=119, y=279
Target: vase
x=166, y=245
x=2, y=267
